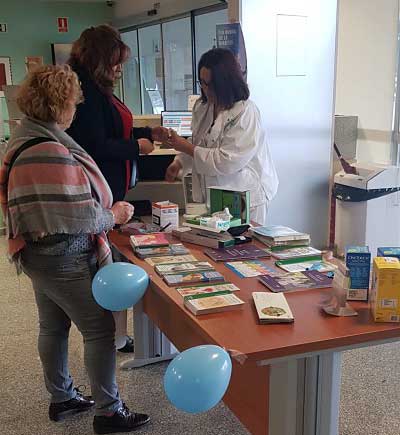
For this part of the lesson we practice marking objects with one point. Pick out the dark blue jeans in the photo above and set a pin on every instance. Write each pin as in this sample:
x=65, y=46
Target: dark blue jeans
x=63, y=294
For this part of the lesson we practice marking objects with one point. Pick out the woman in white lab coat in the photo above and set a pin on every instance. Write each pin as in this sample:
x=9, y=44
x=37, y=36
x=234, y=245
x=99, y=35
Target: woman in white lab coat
x=229, y=147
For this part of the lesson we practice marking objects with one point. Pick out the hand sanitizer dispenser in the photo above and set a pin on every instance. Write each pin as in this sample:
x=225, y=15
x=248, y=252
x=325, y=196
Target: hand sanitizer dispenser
x=367, y=207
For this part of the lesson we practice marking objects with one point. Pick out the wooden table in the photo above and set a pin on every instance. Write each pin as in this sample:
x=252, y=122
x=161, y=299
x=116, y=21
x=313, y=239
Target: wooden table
x=290, y=382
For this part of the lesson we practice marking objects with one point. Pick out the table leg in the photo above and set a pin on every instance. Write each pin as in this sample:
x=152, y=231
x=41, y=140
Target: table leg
x=304, y=395
x=151, y=345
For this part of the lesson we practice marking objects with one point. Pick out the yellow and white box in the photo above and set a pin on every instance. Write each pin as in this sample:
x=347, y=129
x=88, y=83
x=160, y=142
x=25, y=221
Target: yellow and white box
x=385, y=292
x=166, y=213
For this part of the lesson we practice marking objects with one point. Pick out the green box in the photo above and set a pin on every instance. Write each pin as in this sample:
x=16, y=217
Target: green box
x=238, y=202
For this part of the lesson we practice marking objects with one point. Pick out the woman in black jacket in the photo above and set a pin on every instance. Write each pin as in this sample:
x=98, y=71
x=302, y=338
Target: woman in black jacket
x=103, y=125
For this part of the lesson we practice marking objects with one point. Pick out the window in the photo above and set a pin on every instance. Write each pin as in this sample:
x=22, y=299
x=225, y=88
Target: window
x=131, y=74
x=160, y=72
x=177, y=44
x=151, y=69
x=205, y=31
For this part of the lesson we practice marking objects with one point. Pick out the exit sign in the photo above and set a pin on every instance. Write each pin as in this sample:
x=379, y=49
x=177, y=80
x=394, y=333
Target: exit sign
x=3, y=27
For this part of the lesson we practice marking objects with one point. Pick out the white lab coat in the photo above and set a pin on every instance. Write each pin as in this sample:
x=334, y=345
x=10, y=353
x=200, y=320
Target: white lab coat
x=232, y=153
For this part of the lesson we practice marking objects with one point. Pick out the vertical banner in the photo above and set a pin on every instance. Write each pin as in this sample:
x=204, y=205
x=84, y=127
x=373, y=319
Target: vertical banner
x=230, y=36
x=62, y=23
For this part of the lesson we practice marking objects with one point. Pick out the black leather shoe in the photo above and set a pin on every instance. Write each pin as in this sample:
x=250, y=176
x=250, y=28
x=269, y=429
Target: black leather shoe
x=80, y=403
x=129, y=346
x=121, y=421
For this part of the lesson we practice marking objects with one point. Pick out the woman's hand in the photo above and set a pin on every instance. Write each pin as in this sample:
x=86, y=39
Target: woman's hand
x=172, y=171
x=122, y=211
x=159, y=134
x=145, y=146
x=179, y=143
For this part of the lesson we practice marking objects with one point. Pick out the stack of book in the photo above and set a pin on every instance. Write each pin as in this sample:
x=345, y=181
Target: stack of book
x=212, y=303
x=277, y=237
x=155, y=245
x=204, y=236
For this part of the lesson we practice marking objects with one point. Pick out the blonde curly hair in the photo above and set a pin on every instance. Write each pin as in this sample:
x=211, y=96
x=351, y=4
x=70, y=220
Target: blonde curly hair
x=47, y=93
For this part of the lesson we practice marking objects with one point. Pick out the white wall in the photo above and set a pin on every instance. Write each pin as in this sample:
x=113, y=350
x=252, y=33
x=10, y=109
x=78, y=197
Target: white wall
x=133, y=12
x=366, y=65
x=297, y=110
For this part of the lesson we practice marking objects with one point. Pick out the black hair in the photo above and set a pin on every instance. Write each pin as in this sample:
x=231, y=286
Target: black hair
x=227, y=81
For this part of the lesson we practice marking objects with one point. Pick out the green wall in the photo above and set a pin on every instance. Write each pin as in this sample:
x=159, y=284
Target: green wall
x=32, y=27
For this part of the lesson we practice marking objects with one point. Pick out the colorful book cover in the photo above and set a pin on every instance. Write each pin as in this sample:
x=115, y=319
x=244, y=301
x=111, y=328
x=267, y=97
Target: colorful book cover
x=319, y=265
x=176, y=249
x=250, y=268
x=308, y=279
x=212, y=303
x=174, y=268
x=206, y=289
x=153, y=261
x=272, y=307
x=193, y=277
x=149, y=240
x=249, y=252
x=300, y=252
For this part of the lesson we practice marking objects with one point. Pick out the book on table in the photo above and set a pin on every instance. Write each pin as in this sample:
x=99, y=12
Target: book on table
x=193, y=277
x=309, y=279
x=278, y=245
x=300, y=266
x=249, y=252
x=152, y=240
x=170, y=250
x=272, y=308
x=174, y=268
x=153, y=261
x=212, y=303
x=279, y=233
x=206, y=288
x=301, y=252
x=250, y=268
x=207, y=239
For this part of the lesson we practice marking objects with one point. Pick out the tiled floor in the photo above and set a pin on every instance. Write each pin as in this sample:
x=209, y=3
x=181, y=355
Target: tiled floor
x=370, y=389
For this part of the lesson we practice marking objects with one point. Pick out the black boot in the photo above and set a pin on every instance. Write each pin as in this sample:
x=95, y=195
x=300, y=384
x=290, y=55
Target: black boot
x=80, y=403
x=121, y=421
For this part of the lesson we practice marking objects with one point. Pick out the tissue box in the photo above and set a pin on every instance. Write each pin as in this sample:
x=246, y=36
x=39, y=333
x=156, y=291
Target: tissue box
x=164, y=213
x=237, y=201
x=385, y=291
x=358, y=261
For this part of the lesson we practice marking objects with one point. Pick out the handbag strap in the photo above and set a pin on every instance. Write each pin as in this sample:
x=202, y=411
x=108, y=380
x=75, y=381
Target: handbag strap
x=28, y=144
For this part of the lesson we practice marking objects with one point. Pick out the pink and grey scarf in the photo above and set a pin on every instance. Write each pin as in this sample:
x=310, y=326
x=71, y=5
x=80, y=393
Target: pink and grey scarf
x=54, y=187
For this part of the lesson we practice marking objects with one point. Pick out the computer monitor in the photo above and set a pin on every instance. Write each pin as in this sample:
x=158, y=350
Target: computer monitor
x=180, y=121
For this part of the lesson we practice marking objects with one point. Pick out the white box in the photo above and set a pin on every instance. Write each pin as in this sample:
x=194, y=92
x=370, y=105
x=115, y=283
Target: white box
x=166, y=213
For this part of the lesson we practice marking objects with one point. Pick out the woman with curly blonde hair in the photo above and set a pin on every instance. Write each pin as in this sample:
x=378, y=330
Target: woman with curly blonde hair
x=58, y=207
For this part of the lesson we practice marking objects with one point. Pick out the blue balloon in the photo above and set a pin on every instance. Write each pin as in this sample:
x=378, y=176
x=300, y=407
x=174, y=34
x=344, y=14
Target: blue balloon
x=197, y=379
x=119, y=286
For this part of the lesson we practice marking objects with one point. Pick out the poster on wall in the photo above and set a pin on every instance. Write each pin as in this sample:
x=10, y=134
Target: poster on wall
x=32, y=62
x=5, y=73
x=230, y=36
x=62, y=24
x=60, y=53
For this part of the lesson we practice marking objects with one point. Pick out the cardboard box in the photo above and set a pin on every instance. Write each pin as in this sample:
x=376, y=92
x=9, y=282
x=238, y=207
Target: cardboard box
x=389, y=252
x=358, y=261
x=385, y=291
x=164, y=213
x=237, y=201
